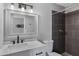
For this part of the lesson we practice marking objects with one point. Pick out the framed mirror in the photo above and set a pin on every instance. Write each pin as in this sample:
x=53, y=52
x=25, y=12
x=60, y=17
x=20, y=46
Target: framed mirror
x=20, y=23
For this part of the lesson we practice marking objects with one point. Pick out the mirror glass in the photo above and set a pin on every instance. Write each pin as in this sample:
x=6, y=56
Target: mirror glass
x=17, y=24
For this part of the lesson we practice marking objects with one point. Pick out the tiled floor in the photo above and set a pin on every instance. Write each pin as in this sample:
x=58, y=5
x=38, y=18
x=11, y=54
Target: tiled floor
x=66, y=54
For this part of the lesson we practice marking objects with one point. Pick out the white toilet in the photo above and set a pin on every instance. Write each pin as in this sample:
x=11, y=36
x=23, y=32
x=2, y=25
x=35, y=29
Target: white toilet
x=49, y=48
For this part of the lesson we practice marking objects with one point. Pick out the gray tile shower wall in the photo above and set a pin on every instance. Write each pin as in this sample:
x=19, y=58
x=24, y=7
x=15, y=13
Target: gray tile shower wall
x=72, y=33
x=58, y=31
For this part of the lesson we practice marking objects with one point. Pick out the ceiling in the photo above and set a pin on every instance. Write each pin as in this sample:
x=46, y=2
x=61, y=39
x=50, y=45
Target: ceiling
x=69, y=7
x=66, y=4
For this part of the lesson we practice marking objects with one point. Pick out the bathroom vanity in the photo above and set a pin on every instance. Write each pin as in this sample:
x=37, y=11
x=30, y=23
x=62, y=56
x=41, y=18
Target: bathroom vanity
x=32, y=48
x=20, y=34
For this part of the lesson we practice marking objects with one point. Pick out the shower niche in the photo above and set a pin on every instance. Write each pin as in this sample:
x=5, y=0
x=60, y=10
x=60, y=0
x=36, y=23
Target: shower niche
x=20, y=23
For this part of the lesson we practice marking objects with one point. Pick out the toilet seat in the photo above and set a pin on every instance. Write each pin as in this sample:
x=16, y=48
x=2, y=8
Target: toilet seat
x=53, y=54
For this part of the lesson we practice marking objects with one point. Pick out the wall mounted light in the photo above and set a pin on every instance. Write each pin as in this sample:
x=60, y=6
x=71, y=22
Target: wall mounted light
x=31, y=10
x=24, y=7
x=12, y=6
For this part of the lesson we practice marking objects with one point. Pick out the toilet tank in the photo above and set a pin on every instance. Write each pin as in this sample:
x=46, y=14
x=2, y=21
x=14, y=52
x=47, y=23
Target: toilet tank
x=49, y=45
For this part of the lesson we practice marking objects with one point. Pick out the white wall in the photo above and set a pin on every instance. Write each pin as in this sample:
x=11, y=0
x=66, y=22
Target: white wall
x=1, y=24
x=45, y=19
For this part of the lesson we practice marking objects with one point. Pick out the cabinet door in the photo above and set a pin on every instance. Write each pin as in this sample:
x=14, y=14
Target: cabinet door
x=22, y=53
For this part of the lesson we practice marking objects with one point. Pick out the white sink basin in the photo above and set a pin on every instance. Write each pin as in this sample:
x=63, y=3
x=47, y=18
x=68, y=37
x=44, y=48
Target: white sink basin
x=19, y=45
x=25, y=44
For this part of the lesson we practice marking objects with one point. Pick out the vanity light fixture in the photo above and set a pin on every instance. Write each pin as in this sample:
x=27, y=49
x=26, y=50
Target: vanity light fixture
x=23, y=7
x=12, y=6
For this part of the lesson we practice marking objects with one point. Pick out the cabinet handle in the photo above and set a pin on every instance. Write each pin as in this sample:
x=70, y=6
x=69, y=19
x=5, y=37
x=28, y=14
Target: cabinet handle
x=22, y=41
x=13, y=42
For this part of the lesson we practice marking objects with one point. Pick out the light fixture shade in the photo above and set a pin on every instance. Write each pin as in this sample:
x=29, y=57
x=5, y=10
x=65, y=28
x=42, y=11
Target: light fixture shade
x=12, y=6
x=31, y=10
x=22, y=9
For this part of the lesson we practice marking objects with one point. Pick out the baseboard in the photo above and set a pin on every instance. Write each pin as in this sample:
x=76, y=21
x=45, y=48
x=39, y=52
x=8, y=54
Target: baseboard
x=66, y=54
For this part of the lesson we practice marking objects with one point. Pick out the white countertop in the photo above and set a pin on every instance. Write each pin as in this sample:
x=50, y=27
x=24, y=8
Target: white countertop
x=9, y=49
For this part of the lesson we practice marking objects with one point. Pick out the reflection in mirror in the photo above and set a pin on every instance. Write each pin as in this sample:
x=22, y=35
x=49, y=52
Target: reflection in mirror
x=20, y=25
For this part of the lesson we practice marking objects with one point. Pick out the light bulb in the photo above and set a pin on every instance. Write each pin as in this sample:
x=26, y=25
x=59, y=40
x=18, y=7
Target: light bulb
x=31, y=10
x=12, y=6
x=22, y=9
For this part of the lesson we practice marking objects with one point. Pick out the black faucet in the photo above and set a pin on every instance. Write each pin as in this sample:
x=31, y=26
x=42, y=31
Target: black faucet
x=17, y=38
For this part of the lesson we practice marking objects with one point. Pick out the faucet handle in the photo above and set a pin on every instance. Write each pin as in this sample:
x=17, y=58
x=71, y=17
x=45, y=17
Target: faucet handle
x=22, y=41
x=13, y=42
